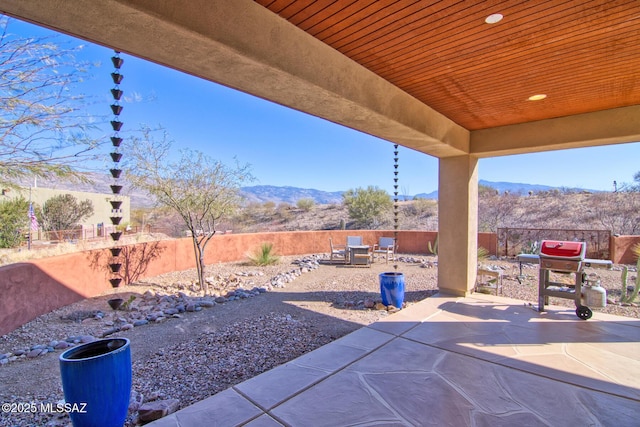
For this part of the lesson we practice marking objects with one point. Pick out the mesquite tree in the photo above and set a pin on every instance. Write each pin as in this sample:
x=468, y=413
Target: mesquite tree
x=200, y=189
x=366, y=205
x=42, y=130
x=61, y=214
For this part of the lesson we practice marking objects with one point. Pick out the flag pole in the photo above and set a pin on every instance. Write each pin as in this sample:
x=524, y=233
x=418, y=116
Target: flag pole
x=30, y=207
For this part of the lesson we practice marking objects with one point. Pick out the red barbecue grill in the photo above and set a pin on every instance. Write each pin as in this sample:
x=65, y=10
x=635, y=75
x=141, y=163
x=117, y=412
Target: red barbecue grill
x=565, y=257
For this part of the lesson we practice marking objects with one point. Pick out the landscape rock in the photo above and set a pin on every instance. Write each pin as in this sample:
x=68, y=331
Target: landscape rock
x=155, y=410
x=135, y=401
x=35, y=353
x=109, y=331
x=62, y=345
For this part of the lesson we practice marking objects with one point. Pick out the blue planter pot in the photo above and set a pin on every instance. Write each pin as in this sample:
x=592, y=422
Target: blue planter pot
x=392, y=288
x=96, y=380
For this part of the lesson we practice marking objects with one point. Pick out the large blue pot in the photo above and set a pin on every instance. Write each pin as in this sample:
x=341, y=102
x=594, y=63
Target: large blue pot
x=96, y=380
x=392, y=288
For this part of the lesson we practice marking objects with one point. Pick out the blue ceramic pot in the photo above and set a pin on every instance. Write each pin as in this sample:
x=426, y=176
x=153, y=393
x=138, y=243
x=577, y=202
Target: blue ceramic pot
x=392, y=288
x=96, y=380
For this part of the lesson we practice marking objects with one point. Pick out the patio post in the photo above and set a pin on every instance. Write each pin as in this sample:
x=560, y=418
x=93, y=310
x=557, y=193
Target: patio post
x=457, y=224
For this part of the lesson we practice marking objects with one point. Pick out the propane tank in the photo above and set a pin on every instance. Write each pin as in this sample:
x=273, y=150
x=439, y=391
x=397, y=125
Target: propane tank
x=594, y=295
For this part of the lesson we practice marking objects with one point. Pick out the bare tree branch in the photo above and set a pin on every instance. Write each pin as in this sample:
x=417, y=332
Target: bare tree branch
x=201, y=190
x=43, y=130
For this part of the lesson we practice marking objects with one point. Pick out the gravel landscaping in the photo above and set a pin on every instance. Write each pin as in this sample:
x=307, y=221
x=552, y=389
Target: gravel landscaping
x=187, y=346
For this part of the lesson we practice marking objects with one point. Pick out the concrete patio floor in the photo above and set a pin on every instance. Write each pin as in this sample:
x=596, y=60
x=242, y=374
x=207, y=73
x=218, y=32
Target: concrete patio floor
x=475, y=361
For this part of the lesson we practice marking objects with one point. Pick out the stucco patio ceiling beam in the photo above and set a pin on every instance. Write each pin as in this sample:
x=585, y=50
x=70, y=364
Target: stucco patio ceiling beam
x=242, y=45
x=615, y=126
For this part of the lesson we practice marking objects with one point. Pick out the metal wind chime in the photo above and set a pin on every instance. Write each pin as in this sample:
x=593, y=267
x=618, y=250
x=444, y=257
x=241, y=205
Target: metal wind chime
x=116, y=201
x=395, y=198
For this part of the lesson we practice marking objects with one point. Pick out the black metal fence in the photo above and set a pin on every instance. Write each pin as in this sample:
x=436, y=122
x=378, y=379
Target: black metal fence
x=514, y=241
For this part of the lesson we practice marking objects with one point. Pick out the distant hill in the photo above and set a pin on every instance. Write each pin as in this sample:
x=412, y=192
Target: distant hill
x=270, y=193
x=516, y=188
x=96, y=183
x=511, y=187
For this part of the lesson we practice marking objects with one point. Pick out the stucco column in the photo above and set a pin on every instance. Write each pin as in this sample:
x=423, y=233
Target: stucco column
x=457, y=224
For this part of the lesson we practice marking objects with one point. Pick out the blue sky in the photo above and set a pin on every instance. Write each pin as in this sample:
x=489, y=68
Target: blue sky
x=287, y=147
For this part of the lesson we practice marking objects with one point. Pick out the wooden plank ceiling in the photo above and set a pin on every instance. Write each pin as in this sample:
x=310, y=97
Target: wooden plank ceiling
x=584, y=55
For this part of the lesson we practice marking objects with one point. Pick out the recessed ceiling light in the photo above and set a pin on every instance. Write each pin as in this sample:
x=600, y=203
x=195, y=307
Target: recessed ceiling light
x=537, y=97
x=493, y=19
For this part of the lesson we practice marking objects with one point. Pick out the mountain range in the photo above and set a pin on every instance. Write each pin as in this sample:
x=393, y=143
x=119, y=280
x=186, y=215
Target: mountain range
x=268, y=193
x=510, y=187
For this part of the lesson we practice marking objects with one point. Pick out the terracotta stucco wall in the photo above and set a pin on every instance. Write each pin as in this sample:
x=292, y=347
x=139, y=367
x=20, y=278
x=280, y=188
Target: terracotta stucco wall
x=40, y=286
x=621, y=249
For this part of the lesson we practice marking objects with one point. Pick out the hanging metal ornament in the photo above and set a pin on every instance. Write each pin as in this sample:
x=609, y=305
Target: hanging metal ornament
x=115, y=263
x=395, y=199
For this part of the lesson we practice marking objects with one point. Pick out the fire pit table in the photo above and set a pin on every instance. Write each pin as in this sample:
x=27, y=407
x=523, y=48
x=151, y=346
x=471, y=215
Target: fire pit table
x=359, y=255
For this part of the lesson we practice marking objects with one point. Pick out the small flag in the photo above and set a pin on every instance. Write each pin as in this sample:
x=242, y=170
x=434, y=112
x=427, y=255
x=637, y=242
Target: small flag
x=32, y=218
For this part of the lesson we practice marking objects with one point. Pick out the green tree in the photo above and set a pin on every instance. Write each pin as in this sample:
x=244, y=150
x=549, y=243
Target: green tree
x=305, y=204
x=199, y=189
x=636, y=182
x=42, y=130
x=366, y=205
x=485, y=190
x=14, y=222
x=64, y=212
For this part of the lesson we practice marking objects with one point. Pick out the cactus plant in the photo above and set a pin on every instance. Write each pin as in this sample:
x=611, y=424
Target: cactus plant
x=433, y=249
x=626, y=297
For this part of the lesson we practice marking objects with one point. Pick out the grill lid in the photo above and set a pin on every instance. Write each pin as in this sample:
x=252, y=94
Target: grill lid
x=564, y=250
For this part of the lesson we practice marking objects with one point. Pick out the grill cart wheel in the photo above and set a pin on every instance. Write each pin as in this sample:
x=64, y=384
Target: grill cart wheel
x=584, y=312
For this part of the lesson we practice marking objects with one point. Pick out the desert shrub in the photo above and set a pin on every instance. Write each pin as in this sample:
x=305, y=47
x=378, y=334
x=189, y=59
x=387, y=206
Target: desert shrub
x=284, y=211
x=264, y=256
x=485, y=190
x=422, y=207
x=497, y=211
x=65, y=212
x=305, y=204
x=366, y=206
x=618, y=212
x=483, y=254
x=14, y=222
x=269, y=207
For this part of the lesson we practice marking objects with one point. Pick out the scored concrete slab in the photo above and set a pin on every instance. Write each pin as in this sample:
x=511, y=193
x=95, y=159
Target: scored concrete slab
x=480, y=360
x=409, y=383
x=227, y=408
x=555, y=344
x=263, y=420
x=283, y=382
x=410, y=317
